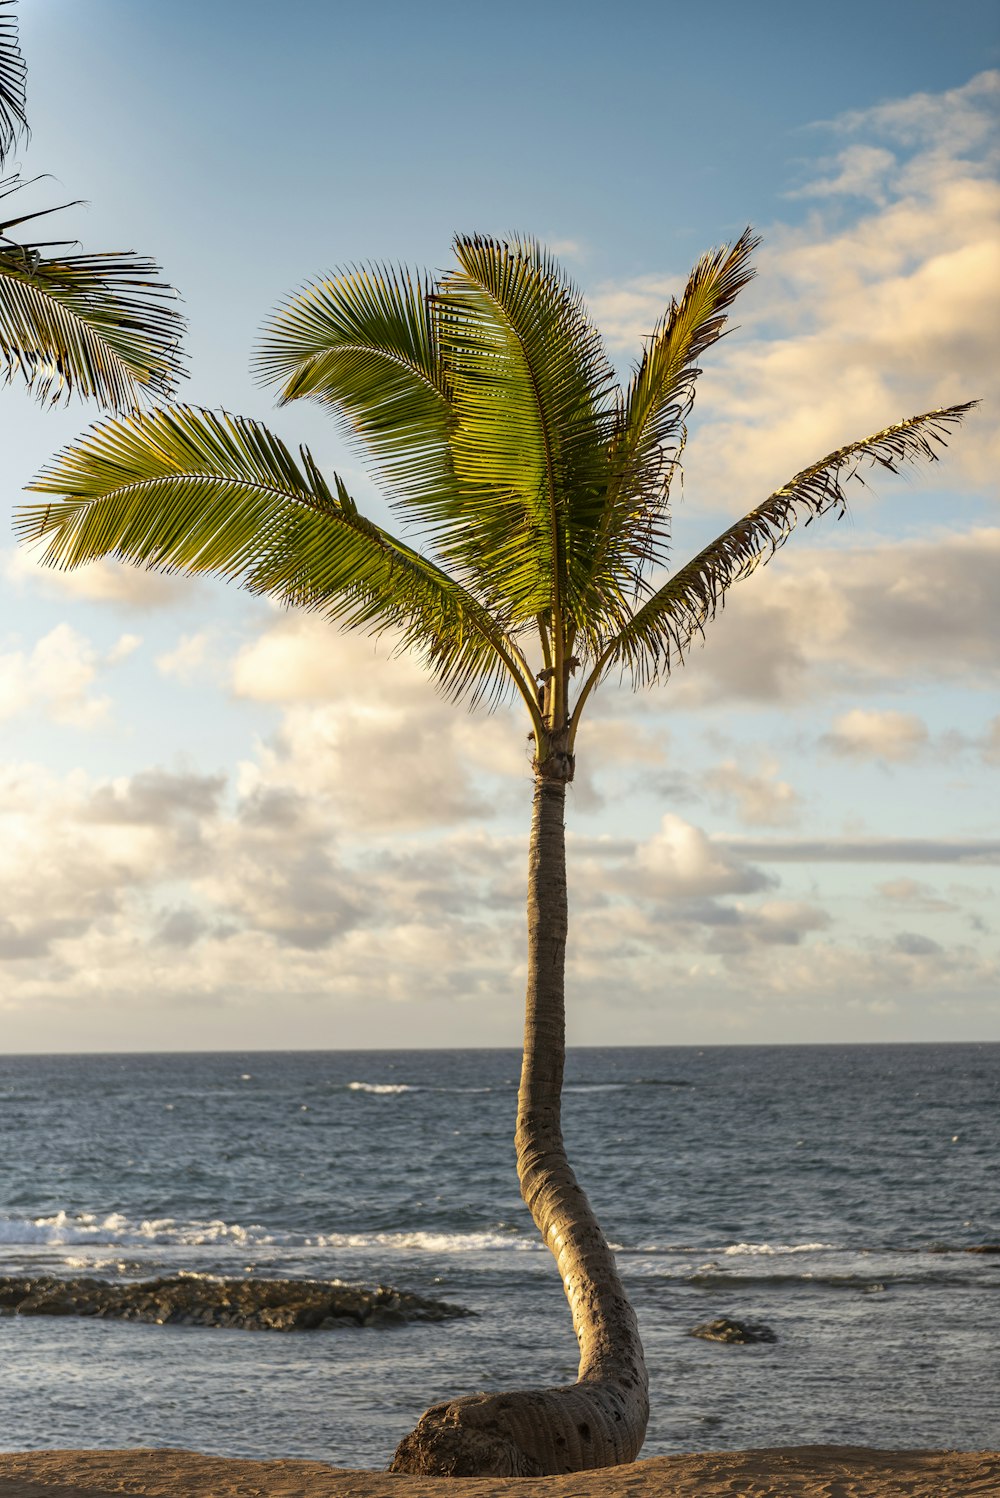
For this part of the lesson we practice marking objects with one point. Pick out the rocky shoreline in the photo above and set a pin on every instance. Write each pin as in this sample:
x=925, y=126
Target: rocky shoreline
x=249, y=1304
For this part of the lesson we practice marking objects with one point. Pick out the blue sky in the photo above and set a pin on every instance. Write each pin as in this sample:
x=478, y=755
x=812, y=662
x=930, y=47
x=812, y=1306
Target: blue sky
x=224, y=826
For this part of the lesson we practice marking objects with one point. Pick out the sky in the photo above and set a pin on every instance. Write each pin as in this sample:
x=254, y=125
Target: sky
x=227, y=826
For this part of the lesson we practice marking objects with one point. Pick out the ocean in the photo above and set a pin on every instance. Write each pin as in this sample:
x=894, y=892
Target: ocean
x=832, y=1193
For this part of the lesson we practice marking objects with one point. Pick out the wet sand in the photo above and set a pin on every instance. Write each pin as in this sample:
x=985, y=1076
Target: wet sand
x=781, y=1472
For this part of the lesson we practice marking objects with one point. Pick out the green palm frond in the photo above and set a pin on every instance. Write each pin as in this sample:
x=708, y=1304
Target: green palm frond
x=664, y=626
x=94, y=325
x=532, y=393
x=487, y=402
x=650, y=430
x=364, y=343
x=13, y=121
x=661, y=392
x=196, y=491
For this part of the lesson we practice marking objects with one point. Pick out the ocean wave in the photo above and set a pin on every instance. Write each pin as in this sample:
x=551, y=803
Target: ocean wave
x=625, y=1086
x=767, y=1249
x=114, y=1230
x=877, y=1280
x=595, y=1086
x=383, y=1089
x=388, y=1089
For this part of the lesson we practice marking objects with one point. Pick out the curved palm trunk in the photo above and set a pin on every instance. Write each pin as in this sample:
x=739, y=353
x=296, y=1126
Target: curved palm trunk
x=600, y=1420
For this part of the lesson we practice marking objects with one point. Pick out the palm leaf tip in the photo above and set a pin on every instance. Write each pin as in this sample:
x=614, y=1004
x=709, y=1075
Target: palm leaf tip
x=13, y=120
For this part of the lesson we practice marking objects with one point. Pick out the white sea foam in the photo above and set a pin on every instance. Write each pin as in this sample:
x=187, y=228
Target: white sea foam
x=381, y=1087
x=385, y=1089
x=775, y=1248
x=113, y=1230
x=595, y=1087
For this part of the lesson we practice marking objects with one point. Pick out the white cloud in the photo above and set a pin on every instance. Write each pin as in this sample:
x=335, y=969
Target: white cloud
x=969, y=851
x=186, y=659
x=761, y=800
x=955, y=122
x=627, y=311
x=871, y=734
x=860, y=171
x=854, y=617
x=54, y=677
x=679, y=860
x=865, y=322
x=786, y=921
x=853, y=325
x=566, y=249
x=915, y=894
x=123, y=647
x=107, y=581
x=368, y=731
x=126, y=902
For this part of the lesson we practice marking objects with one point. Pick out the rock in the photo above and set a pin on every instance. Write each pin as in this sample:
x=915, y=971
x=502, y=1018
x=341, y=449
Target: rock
x=964, y=1248
x=724, y=1330
x=197, y=1300
x=385, y=1316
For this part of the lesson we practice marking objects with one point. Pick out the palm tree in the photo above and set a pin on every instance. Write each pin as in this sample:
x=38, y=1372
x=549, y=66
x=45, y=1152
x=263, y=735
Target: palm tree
x=489, y=410
x=99, y=325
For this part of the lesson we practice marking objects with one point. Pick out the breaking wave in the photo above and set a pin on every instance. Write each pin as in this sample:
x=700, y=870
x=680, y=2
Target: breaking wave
x=766, y=1249
x=113, y=1230
x=388, y=1089
x=381, y=1088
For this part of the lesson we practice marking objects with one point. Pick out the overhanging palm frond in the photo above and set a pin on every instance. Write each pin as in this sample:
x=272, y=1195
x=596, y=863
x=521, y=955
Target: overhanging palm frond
x=13, y=121
x=196, y=491
x=364, y=343
x=95, y=325
x=531, y=383
x=663, y=627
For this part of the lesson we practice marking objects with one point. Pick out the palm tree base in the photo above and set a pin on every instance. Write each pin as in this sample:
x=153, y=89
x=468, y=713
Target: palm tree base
x=449, y=1441
x=528, y=1432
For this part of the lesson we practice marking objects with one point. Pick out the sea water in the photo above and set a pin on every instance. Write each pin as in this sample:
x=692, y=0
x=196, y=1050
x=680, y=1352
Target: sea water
x=830, y=1192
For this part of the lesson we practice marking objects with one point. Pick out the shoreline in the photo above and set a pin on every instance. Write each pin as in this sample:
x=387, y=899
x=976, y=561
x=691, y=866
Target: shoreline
x=772, y=1472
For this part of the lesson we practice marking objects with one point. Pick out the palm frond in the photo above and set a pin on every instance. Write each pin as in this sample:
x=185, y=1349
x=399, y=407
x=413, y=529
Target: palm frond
x=364, y=343
x=661, y=392
x=531, y=383
x=649, y=434
x=13, y=120
x=661, y=630
x=183, y=489
x=93, y=325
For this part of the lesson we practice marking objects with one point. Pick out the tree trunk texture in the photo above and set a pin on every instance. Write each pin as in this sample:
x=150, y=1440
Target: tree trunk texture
x=600, y=1421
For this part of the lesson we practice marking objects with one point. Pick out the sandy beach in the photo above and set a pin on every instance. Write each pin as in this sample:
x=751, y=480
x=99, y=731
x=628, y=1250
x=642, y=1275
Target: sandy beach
x=780, y=1472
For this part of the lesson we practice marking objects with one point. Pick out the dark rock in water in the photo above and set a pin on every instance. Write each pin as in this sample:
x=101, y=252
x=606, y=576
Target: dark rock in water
x=964, y=1248
x=251, y=1304
x=724, y=1330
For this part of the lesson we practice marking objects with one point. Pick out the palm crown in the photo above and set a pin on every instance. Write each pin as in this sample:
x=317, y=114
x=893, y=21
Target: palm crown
x=538, y=488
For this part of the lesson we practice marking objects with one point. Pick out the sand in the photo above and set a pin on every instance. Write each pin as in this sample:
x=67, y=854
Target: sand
x=786, y=1472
